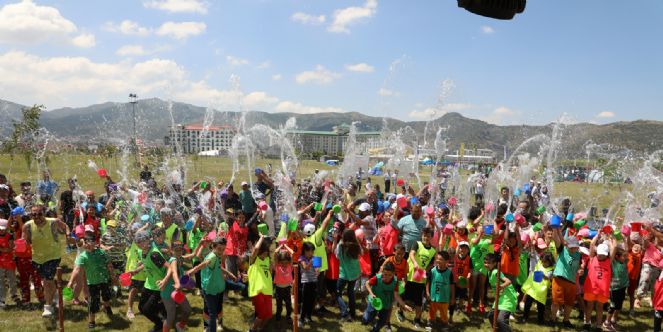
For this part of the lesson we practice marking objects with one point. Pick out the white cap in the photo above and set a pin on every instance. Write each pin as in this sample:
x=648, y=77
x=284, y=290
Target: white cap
x=3, y=224
x=244, y=183
x=89, y=228
x=603, y=249
x=365, y=207
x=309, y=229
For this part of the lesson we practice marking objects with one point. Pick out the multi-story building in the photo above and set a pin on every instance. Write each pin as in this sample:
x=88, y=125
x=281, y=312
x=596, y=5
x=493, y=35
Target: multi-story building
x=195, y=138
x=333, y=143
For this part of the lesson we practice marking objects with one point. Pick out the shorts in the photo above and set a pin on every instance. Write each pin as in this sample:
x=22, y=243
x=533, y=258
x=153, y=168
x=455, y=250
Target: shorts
x=414, y=292
x=137, y=284
x=263, y=306
x=442, y=308
x=47, y=270
x=97, y=291
x=617, y=297
x=461, y=293
x=563, y=291
x=590, y=297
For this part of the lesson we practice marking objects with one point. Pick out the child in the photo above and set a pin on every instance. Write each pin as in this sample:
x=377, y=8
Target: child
x=348, y=251
x=651, y=262
x=159, y=235
x=309, y=279
x=283, y=280
x=634, y=265
x=421, y=258
x=462, y=274
x=399, y=262
x=657, y=303
x=440, y=290
x=538, y=291
x=506, y=303
x=480, y=248
x=99, y=274
x=511, y=248
x=114, y=246
x=385, y=287
x=155, y=267
x=599, y=276
x=170, y=283
x=260, y=283
x=7, y=264
x=137, y=279
x=618, y=287
x=212, y=281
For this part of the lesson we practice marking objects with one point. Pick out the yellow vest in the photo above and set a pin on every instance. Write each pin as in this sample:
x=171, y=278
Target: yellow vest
x=45, y=247
x=424, y=257
x=260, y=277
x=537, y=290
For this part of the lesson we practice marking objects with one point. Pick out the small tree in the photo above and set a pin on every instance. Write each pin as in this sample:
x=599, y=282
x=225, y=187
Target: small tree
x=23, y=137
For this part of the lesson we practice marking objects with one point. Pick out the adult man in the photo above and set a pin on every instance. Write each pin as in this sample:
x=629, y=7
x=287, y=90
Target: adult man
x=44, y=235
x=410, y=226
x=46, y=185
x=67, y=203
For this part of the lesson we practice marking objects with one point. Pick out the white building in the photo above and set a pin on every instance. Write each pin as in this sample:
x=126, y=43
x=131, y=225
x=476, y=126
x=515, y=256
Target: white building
x=194, y=138
x=333, y=143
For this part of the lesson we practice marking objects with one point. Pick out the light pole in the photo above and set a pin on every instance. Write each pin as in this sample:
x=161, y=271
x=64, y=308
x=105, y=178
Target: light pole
x=132, y=100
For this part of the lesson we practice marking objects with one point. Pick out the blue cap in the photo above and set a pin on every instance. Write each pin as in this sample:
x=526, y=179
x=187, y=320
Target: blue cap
x=18, y=211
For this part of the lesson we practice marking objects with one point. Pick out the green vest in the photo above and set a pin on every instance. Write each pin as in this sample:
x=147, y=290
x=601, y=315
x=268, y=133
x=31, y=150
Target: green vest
x=153, y=273
x=260, y=277
x=133, y=257
x=424, y=257
x=212, y=281
x=440, y=282
x=170, y=231
x=385, y=292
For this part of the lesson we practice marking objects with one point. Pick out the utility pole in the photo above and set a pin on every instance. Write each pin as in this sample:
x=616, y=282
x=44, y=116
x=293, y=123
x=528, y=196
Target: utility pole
x=134, y=143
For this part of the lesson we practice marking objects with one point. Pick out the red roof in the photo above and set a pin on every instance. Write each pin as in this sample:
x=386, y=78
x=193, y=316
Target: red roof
x=199, y=127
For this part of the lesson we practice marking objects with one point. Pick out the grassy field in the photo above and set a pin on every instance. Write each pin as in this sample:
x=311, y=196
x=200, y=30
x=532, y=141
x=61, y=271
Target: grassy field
x=237, y=311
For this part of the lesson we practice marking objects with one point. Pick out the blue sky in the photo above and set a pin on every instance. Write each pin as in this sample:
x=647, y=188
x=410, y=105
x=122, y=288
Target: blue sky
x=598, y=60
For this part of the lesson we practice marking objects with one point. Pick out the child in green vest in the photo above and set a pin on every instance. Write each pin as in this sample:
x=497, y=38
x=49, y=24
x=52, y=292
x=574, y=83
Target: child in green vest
x=538, y=290
x=170, y=283
x=385, y=287
x=440, y=290
x=260, y=283
x=137, y=280
x=155, y=267
x=508, y=298
x=212, y=281
x=99, y=274
x=420, y=262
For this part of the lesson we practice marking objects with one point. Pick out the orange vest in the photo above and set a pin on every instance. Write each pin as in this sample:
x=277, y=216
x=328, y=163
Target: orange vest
x=462, y=268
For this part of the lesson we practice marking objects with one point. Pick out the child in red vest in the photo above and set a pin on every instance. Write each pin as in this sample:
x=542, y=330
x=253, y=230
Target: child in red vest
x=599, y=276
x=7, y=265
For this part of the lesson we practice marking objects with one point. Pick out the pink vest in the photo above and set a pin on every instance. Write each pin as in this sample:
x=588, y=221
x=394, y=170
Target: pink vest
x=599, y=275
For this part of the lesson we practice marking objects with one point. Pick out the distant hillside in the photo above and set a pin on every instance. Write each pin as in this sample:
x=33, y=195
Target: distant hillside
x=112, y=122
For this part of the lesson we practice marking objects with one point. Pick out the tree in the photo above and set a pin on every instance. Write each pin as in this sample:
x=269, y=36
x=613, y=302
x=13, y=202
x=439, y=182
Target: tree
x=25, y=131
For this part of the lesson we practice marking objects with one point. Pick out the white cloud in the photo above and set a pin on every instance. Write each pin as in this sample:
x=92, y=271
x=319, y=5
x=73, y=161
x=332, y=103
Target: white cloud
x=456, y=107
x=131, y=50
x=360, y=68
x=351, y=15
x=277, y=77
x=487, y=29
x=26, y=22
x=294, y=107
x=264, y=65
x=501, y=115
x=78, y=81
x=504, y=111
x=128, y=27
x=85, y=40
x=384, y=92
x=178, y=6
x=426, y=114
x=308, y=19
x=181, y=30
x=319, y=76
x=235, y=61
x=605, y=115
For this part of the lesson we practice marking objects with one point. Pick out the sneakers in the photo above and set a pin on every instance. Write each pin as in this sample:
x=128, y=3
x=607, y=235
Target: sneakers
x=400, y=317
x=586, y=327
x=181, y=326
x=344, y=319
x=417, y=324
x=468, y=309
x=482, y=309
x=130, y=314
x=429, y=326
x=91, y=326
x=48, y=311
x=387, y=328
x=2, y=304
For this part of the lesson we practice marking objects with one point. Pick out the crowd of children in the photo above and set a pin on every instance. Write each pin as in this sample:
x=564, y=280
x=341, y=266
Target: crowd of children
x=405, y=252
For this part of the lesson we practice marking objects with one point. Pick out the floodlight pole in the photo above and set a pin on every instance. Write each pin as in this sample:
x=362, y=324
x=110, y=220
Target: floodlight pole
x=133, y=101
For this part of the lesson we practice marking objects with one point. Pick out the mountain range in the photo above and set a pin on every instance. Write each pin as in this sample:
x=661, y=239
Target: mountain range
x=113, y=122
